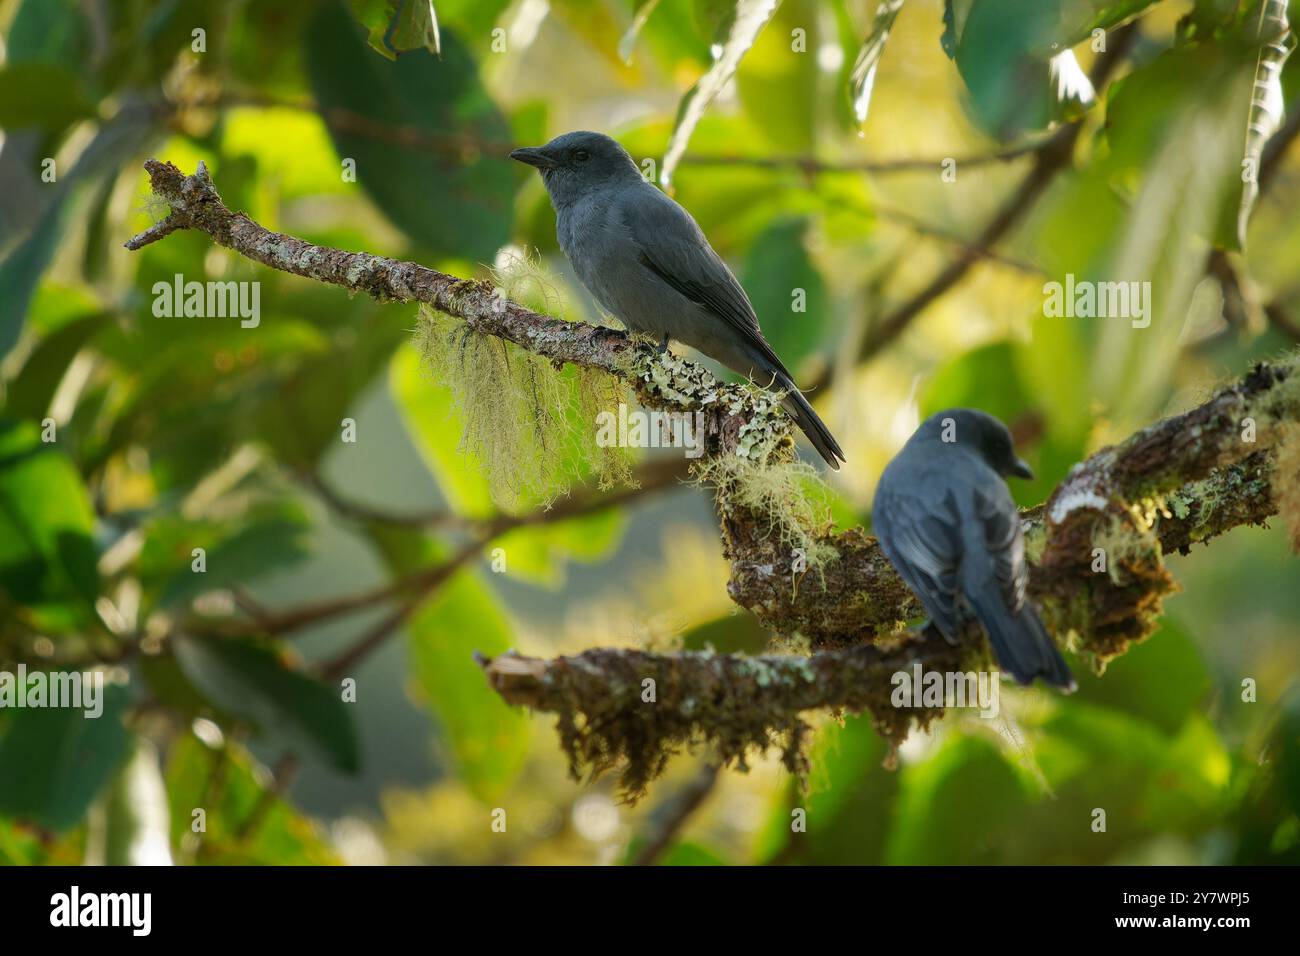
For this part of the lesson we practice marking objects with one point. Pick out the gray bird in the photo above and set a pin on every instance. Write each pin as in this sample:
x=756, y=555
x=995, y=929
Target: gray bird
x=946, y=521
x=647, y=263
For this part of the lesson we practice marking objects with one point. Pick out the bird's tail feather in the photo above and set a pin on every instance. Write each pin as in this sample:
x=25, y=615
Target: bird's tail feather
x=1021, y=644
x=797, y=407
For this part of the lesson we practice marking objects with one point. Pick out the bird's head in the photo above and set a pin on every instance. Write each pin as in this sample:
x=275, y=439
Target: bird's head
x=579, y=162
x=981, y=433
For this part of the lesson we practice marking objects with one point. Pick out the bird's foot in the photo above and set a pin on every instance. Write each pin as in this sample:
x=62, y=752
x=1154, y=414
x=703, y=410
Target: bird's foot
x=930, y=629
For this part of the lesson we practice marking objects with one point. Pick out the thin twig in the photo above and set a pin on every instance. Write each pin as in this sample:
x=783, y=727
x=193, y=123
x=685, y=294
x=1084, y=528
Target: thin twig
x=668, y=820
x=1050, y=157
x=282, y=774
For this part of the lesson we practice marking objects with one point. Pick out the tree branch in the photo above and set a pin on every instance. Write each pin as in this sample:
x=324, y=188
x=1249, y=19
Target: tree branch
x=731, y=413
x=1183, y=480
x=1177, y=482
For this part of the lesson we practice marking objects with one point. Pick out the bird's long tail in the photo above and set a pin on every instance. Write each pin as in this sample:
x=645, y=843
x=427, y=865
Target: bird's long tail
x=1021, y=644
x=797, y=407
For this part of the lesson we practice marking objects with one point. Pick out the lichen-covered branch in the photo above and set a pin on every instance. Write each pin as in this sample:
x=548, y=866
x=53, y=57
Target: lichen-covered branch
x=731, y=413
x=1182, y=480
x=1097, y=573
x=1096, y=547
x=634, y=709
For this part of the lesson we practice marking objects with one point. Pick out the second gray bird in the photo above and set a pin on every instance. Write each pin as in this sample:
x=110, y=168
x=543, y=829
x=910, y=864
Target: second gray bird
x=647, y=263
x=946, y=521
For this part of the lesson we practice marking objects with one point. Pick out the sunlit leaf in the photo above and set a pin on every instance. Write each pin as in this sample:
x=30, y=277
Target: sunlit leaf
x=781, y=87
x=397, y=26
x=436, y=427
x=941, y=798
x=847, y=815
x=628, y=43
x=1276, y=41
x=488, y=738
x=737, y=35
x=243, y=822
x=862, y=78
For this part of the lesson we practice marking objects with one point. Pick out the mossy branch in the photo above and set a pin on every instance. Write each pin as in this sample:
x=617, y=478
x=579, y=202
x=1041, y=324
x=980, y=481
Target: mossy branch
x=659, y=380
x=1231, y=461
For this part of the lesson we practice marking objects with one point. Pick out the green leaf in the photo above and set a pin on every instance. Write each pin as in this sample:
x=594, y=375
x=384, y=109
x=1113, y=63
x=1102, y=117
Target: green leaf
x=1048, y=24
x=244, y=823
x=1276, y=42
x=488, y=738
x=1014, y=56
x=787, y=291
x=957, y=807
x=48, y=31
x=737, y=34
x=21, y=270
x=397, y=26
x=30, y=392
x=54, y=761
x=1162, y=680
x=41, y=95
x=862, y=77
x=848, y=814
x=263, y=547
x=446, y=193
x=435, y=426
x=46, y=523
x=252, y=681
x=780, y=86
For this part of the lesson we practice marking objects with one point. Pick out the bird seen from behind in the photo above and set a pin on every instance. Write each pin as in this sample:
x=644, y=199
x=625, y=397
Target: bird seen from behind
x=946, y=521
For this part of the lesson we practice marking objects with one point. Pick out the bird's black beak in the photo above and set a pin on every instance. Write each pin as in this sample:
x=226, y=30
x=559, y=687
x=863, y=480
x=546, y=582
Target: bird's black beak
x=533, y=156
x=1021, y=469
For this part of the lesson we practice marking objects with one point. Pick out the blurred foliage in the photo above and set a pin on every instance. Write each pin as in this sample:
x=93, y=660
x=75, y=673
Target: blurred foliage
x=136, y=448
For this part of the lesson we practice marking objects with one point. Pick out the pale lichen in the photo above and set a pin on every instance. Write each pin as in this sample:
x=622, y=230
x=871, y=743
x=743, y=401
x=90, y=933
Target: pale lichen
x=529, y=425
x=787, y=499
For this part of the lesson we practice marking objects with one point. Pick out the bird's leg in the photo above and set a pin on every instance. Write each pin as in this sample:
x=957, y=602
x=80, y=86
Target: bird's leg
x=663, y=346
x=930, y=629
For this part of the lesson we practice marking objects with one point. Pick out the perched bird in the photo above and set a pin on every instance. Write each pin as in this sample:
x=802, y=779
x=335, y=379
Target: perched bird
x=647, y=263
x=946, y=521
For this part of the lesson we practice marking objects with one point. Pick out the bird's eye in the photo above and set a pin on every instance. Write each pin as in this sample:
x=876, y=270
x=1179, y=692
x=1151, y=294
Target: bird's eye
x=581, y=155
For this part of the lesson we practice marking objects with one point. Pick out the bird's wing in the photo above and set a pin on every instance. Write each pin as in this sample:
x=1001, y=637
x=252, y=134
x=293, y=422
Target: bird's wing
x=672, y=246
x=1005, y=539
x=921, y=537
